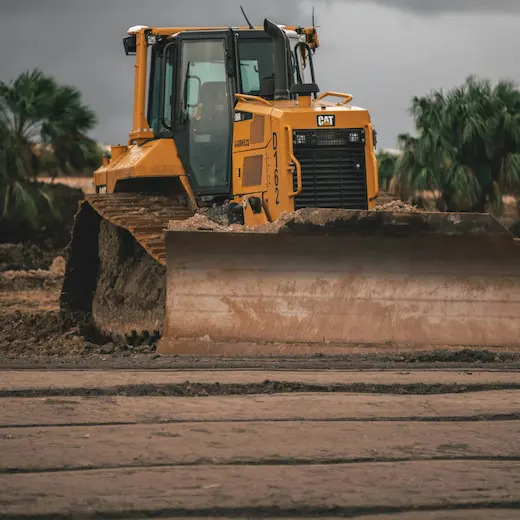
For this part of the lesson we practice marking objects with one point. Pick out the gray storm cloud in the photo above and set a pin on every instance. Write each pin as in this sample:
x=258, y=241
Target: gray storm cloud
x=441, y=6
x=381, y=51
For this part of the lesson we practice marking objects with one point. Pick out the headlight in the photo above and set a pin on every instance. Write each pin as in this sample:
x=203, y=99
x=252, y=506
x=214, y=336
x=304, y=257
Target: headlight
x=300, y=139
x=354, y=137
x=341, y=137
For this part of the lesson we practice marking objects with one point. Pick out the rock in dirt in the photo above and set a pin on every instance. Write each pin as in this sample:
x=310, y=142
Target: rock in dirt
x=108, y=348
x=58, y=266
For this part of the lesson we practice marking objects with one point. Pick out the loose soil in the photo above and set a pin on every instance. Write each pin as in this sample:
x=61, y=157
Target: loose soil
x=23, y=257
x=203, y=221
x=329, y=455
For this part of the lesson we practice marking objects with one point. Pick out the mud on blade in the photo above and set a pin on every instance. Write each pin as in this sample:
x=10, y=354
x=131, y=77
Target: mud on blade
x=343, y=276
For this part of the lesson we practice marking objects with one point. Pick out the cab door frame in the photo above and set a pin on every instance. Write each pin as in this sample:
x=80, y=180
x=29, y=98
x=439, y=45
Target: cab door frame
x=181, y=127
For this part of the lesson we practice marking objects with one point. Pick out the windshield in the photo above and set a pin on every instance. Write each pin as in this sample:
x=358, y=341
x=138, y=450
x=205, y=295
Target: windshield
x=257, y=67
x=155, y=118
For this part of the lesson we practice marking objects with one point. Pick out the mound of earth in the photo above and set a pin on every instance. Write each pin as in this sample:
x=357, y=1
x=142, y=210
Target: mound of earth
x=37, y=334
x=398, y=206
x=202, y=221
x=24, y=257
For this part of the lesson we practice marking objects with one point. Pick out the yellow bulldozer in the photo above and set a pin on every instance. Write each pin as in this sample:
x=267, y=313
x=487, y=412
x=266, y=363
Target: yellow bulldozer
x=229, y=122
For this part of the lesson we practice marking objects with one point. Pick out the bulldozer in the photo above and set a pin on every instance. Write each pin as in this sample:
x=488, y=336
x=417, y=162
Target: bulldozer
x=229, y=122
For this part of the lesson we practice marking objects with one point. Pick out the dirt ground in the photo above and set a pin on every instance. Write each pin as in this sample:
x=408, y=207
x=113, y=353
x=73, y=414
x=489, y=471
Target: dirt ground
x=129, y=451
x=90, y=429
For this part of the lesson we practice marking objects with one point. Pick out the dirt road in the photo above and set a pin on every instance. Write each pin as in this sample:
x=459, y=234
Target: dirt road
x=99, y=430
x=133, y=444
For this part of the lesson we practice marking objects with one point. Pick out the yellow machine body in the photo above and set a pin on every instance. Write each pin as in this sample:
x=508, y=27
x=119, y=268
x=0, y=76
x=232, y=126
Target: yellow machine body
x=263, y=160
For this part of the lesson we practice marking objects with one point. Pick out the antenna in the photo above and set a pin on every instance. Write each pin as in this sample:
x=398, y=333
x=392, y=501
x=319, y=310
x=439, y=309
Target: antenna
x=247, y=19
x=314, y=18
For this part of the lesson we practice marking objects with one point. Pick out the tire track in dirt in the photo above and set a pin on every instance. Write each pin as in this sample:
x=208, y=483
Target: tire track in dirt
x=426, y=419
x=256, y=462
x=268, y=387
x=274, y=512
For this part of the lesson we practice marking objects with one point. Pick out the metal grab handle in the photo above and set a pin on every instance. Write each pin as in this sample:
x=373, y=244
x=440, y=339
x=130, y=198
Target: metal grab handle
x=290, y=148
x=247, y=97
x=347, y=97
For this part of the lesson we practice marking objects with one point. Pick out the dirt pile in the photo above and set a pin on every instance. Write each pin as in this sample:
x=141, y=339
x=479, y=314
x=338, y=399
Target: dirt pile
x=204, y=221
x=200, y=222
x=31, y=326
x=36, y=279
x=33, y=335
x=24, y=257
x=398, y=206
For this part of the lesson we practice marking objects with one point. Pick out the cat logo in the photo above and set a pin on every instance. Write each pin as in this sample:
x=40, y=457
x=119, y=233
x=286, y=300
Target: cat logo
x=327, y=120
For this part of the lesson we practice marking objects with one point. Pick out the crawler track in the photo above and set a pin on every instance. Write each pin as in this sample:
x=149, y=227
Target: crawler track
x=144, y=216
x=117, y=249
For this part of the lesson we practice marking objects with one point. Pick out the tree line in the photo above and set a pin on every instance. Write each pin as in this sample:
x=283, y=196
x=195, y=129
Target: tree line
x=467, y=148
x=43, y=130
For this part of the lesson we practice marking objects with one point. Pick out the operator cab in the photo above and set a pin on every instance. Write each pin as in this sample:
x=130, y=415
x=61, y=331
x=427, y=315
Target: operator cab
x=194, y=76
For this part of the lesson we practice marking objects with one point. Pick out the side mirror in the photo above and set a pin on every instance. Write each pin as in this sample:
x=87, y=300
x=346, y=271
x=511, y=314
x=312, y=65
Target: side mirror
x=130, y=44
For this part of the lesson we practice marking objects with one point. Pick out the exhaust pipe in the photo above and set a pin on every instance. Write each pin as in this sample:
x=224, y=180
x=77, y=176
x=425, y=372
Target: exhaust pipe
x=281, y=65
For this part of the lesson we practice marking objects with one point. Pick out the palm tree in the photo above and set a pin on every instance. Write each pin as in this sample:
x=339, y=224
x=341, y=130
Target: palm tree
x=35, y=109
x=386, y=163
x=468, y=145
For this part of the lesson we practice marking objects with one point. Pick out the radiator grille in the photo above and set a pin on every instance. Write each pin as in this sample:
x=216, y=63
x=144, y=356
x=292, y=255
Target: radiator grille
x=333, y=168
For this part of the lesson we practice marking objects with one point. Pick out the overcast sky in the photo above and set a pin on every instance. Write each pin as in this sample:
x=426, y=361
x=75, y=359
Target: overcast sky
x=383, y=52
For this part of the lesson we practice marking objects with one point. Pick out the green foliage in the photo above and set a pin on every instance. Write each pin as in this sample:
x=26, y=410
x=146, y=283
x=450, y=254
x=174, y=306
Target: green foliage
x=386, y=165
x=36, y=110
x=468, y=146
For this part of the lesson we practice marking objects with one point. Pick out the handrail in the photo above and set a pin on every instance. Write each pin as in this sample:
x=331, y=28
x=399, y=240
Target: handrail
x=348, y=97
x=290, y=148
x=248, y=97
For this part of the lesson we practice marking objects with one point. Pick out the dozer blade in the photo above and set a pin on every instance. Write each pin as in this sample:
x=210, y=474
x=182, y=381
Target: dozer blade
x=343, y=277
